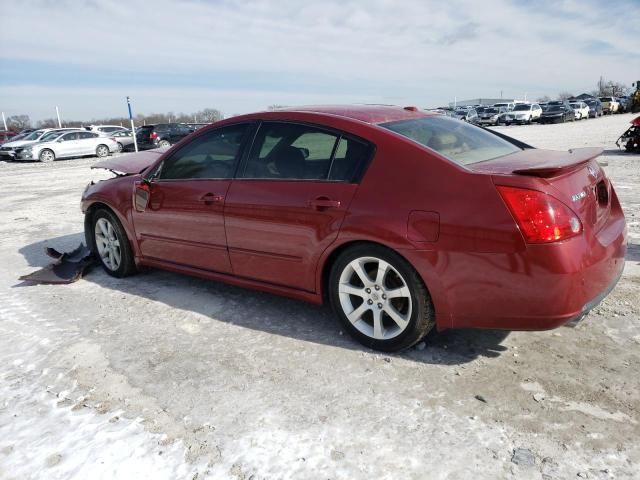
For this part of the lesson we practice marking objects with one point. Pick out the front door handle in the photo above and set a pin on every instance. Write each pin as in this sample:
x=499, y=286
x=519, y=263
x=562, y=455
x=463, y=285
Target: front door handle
x=209, y=198
x=323, y=203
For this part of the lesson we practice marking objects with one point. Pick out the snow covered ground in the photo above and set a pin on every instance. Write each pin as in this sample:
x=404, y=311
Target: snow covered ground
x=164, y=376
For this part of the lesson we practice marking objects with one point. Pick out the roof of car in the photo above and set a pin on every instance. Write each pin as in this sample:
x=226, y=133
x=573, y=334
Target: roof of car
x=363, y=113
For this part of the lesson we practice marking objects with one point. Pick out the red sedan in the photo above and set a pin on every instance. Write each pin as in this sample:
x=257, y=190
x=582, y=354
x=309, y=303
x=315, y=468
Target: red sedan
x=401, y=219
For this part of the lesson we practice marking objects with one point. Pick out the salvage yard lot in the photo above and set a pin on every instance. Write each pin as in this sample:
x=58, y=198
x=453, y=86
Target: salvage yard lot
x=165, y=376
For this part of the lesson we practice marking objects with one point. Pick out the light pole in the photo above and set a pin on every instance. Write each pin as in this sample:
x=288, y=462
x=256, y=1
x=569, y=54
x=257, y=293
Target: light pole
x=133, y=128
x=4, y=121
x=58, y=115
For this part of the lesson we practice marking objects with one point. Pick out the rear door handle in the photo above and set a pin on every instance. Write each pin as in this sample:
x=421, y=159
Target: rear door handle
x=323, y=203
x=209, y=198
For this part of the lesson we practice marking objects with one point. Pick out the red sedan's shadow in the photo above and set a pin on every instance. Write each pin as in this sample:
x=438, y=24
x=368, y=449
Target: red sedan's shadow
x=264, y=312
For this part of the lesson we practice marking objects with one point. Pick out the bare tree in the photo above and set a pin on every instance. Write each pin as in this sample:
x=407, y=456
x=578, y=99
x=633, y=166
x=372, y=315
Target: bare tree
x=18, y=122
x=611, y=88
x=209, y=115
x=543, y=99
x=48, y=123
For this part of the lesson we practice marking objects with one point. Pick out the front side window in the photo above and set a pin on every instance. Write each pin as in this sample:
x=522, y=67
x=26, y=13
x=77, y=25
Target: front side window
x=211, y=155
x=70, y=136
x=460, y=142
x=289, y=151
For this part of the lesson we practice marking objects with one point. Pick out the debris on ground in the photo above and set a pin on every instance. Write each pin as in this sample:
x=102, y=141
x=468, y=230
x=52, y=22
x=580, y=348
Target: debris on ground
x=68, y=267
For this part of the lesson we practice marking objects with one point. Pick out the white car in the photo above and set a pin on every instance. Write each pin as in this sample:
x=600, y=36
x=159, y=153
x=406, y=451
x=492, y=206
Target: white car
x=77, y=143
x=105, y=129
x=9, y=150
x=580, y=109
x=522, y=113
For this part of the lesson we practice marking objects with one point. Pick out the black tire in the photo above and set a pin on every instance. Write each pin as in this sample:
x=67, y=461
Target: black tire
x=102, y=151
x=120, y=148
x=127, y=265
x=47, y=156
x=422, y=317
x=164, y=143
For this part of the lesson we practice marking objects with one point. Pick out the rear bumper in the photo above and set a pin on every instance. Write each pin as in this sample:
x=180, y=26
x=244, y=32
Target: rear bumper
x=540, y=288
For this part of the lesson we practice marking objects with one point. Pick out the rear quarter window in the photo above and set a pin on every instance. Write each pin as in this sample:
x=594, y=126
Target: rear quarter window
x=458, y=141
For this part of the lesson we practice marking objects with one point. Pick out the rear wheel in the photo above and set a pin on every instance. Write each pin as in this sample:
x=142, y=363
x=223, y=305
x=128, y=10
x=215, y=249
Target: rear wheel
x=47, y=156
x=111, y=244
x=164, y=143
x=102, y=151
x=380, y=298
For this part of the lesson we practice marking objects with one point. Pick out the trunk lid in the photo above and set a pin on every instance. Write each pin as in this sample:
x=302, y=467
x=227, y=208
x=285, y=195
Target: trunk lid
x=574, y=177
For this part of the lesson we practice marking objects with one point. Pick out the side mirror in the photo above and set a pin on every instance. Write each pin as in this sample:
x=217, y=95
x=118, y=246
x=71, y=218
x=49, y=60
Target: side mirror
x=142, y=195
x=60, y=140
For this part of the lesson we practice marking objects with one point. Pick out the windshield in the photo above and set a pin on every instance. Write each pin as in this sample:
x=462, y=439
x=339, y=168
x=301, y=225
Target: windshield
x=519, y=108
x=555, y=108
x=34, y=135
x=50, y=136
x=458, y=141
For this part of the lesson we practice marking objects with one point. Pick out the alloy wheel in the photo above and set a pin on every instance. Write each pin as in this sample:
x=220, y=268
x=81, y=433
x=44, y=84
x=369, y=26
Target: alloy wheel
x=108, y=244
x=375, y=298
x=47, y=156
x=102, y=151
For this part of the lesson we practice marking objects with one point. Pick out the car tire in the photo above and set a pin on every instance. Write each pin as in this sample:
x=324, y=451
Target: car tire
x=47, y=156
x=102, y=151
x=377, y=321
x=120, y=147
x=164, y=143
x=110, y=244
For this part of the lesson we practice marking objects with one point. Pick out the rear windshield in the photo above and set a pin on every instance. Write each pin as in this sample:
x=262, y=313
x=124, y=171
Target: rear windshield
x=458, y=141
x=518, y=108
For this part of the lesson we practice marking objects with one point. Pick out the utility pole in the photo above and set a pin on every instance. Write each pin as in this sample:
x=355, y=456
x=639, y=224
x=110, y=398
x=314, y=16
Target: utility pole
x=133, y=128
x=4, y=121
x=58, y=115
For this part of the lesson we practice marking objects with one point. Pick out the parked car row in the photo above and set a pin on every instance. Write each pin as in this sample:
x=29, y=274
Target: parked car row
x=47, y=145
x=507, y=113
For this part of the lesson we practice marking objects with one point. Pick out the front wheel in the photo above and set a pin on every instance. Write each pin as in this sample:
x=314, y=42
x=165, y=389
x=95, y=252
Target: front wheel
x=164, y=143
x=379, y=298
x=102, y=151
x=111, y=244
x=120, y=147
x=47, y=156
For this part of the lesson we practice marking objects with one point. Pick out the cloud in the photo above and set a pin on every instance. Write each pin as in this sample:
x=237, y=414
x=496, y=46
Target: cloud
x=424, y=52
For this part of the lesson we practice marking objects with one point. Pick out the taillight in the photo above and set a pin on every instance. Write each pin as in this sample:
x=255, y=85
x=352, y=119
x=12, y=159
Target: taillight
x=541, y=217
x=153, y=135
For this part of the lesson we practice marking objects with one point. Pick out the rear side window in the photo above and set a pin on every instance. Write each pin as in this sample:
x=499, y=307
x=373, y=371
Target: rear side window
x=289, y=151
x=211, y=155
x=458, y=141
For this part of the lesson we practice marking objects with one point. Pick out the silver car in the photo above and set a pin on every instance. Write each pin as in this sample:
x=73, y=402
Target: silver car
x=10, y=150
x=124, y=139
x=78, y=143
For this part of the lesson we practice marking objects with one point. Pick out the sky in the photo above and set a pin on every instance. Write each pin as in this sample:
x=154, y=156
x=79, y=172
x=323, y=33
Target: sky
x=239, y=56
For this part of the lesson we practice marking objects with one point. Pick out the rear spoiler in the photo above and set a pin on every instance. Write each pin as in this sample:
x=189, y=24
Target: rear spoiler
x=537, y=163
